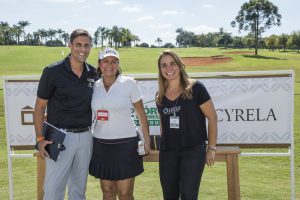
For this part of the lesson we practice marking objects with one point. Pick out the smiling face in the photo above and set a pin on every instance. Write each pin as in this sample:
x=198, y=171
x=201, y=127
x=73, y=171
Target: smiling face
x=80, y=48
x=169, y=68
x=109, y=66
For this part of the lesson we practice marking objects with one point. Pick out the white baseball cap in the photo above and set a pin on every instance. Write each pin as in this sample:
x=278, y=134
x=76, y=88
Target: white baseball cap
x=108, y=52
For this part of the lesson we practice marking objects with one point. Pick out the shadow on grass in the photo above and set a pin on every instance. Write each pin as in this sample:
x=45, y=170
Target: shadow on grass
x=290, y=52
x=263, y=57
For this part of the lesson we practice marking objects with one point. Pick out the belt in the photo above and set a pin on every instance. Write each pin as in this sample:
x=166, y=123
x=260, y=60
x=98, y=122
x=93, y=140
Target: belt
x=77, y=130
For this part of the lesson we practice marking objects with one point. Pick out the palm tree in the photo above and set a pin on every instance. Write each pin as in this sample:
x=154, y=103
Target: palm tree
x=103, y=31
x=109, y=37
x=43, y=34
x=179, y=30
x=37, y=38
x=17, y=30
x=66, y=37
x=135, y=39
x=96, y=36
x=126, y=37
x=180, y=37
x=159, y=41
x=29, y=39
x=23, y=24
x=60, y=32
x=116, y=36
x=5, y=33
x=51, y=33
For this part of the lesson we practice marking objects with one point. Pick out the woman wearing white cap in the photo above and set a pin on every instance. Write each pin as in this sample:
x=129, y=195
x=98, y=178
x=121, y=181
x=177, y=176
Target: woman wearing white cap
x=115, y=160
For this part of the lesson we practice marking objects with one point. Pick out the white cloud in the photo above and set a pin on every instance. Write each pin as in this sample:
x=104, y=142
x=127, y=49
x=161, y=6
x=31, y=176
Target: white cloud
x=64, y=22
x=142, y=19
x=85, y=7
x=112, y=2
x=170, y=12
x=167, y=34
x=207, y=5
x=133, y=8
x=160, y=26
x=61, y=1
x=201, y=29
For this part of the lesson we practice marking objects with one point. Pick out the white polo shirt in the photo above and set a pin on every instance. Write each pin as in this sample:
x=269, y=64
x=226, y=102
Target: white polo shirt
x=118, y=103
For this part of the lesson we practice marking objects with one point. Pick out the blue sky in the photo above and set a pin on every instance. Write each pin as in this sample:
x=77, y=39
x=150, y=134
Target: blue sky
x=149, y=19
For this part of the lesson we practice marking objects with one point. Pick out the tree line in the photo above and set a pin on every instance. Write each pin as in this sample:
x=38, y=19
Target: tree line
x=16, y=35
x=226, y=40
x=255, y=16
x=123, y=37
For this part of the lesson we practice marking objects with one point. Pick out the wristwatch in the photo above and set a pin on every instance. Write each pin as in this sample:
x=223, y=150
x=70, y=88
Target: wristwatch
x=211, y=148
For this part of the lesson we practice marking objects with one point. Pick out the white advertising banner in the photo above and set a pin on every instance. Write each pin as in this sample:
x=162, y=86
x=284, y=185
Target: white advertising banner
x=19, y=100
x=252, y=107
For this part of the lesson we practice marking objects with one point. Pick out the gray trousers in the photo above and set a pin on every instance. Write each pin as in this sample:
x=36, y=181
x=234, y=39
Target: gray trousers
x=70, y=169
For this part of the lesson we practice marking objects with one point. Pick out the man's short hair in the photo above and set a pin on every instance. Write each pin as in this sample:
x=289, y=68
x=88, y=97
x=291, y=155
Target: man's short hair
x=79, y=32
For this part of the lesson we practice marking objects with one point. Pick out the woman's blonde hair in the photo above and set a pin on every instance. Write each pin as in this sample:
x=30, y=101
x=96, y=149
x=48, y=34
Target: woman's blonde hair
x=186, y=83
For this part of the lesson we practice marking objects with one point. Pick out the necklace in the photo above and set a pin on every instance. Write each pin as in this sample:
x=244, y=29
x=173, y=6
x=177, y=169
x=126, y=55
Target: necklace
x=107, y=85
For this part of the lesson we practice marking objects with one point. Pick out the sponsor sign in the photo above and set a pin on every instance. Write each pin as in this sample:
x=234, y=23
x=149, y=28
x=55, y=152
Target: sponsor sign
x=252, y=108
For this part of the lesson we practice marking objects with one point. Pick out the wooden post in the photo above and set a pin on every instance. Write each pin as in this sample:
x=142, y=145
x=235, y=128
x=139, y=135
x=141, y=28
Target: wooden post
x=228, y=154
x=233, y=180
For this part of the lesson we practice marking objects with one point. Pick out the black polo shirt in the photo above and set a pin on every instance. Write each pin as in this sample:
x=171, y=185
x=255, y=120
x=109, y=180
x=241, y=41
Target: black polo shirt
x=192, y=122
x=69, y=97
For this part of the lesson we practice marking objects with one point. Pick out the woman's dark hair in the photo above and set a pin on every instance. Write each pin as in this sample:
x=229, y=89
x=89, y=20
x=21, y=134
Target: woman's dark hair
x=99, y=71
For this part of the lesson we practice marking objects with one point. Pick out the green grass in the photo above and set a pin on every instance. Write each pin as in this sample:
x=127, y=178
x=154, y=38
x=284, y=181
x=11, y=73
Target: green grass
x=260, y=177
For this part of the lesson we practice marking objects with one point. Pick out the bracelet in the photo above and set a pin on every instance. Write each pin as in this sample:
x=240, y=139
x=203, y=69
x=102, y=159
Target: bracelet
x=39, y=138
x=212, y=148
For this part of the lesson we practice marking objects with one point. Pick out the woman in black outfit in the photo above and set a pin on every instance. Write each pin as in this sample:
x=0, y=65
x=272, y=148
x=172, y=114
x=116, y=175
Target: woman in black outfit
x=183, y=105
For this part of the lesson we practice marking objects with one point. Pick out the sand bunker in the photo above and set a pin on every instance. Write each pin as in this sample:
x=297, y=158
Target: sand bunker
x=201, y=61
x=239, y=52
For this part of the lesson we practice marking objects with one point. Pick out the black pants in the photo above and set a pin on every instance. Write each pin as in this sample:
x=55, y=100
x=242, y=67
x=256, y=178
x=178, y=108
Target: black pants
x=181, y=171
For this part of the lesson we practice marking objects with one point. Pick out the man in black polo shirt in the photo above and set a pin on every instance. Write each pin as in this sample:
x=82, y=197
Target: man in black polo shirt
x=66, y=88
